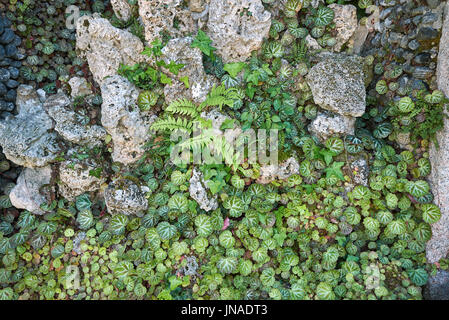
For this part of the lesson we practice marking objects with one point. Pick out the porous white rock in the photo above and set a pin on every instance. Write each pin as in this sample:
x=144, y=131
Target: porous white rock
x=123, y=120
x=330, y=124
x=338, y=84
x=269, y=173
x=26, y=138
x=68, y=122
x=75, y=178
x=122, y=9
x=237, y=27
x=179, y=51
x=79, y=87
x=123, y=196
x=159, y=15
x=27, y=192
x=197, y=5
x=312, y=44
x=217, y=118
x=360, y=170
x=106, y=47
x=345, y=20
x=198, y=192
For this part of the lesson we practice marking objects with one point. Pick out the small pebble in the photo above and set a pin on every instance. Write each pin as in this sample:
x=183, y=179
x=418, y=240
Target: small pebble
x=11, y=84
x=422, y=58
x=427, y=33
x=11, y=96
x=14, y=72
x=416, y=20
x=10, y=51
x=6, y=106
x=7, y=37
x=3, y=90
x=422, y=73
x=429, y=18
x=413, y=45
x=5, y=75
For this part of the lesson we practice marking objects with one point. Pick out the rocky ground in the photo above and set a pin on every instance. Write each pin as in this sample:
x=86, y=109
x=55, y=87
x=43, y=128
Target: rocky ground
x=357, y=85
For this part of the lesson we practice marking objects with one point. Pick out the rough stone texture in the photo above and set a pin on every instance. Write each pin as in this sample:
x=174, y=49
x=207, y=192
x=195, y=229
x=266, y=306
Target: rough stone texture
x=345, y=20
x=25, y=138
x=197, y=5
x=76, y=180
x=179, y=51
x=437, y=287
x=27, y=99
x=158, y=16
x=438, y=245
x=234, y=33
x=443, y=56
x=105, y=46
x=269, y=173
x=358, y=38
x=122, y=119
x=328, y=124
x=403, y=140
x=122, y=9
x=26, y=194
x=312, y=44
x=360, y=171
x=125, y=197
x=198, y=192
x=79, y=87
x=68, y=123
x=337, y=84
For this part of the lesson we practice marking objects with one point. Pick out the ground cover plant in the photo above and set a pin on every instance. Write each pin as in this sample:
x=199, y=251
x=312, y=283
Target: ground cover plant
x=319, y=234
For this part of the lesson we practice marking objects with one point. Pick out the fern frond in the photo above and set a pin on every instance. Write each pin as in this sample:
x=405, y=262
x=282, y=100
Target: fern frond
x=171, y=124
x=183, y=107
x=197, y=142
x=218, y=143
x=220, y=96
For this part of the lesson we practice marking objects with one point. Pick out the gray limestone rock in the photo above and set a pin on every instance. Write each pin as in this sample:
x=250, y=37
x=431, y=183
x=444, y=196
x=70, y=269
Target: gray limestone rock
x=27, y=139
x=69, y=124
x=79, y=87
x=75, y=178
x=123, y=196
x=269, y=173
x=345, y=20
x=106, y=47
x=330, y=124
x=27, y=194
x=198, y=192
x=233, y=31
x=337, y=84
x=179, y=51
x=438, y=245
x=123, y=120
